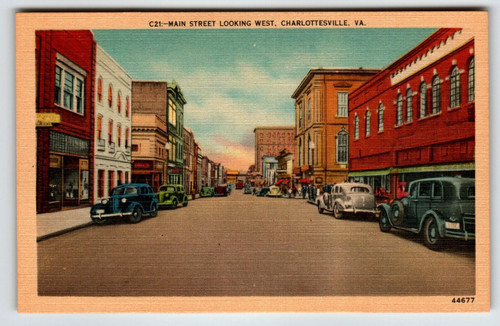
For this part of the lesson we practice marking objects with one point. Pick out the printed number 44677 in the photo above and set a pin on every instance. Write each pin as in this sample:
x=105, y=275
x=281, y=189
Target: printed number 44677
x=463, y=300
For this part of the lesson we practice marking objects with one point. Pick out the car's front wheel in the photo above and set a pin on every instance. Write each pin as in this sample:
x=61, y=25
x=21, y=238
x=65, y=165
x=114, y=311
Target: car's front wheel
x=175, y=203
x=136, y=215
x=320, y=209
x=185, y=203
x=154, y=212
x=337, y=213
x=432, y=239
x=383, y=222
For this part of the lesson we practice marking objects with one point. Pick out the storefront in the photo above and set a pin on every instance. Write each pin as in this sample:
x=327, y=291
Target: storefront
x=175, y=176
x=150, y=172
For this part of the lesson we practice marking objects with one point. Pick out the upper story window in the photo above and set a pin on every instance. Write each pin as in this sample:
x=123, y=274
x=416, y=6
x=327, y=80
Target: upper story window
x=423, y=100
x=342, y=146
x=69, y=85
x=399, y=110
x=99, y=90
x=127, y=107
x=127, y=136
x=110, y=131
x=172, y=112
x=409, y=105
x=455, y=93
x=356, y=127
x=342, y=104
x=308, y=109
x=436, y=95
x=380, y=112
x=367, y=123
x=110, y=96
x=119, y=102
x=300, y=152
x=119, y=135
x=470, y=81
x=301, y=113
x=99, y=127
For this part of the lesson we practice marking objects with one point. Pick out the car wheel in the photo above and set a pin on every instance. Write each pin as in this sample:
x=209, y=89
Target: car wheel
x=136, y=215
x=336, y=212
x=320, y=210
x=185, y=203
x=431, y=234
x=154, y=213
x=383, y=222
x=175, y=203
x=397, y=212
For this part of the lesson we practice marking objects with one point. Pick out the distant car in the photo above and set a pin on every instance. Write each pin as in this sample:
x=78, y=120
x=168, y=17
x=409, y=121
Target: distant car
x=348, y=198
x=274, y=191
x=240, y=185
x=171, y=195
x=207, y=192
x=437, y=208
x=263, y=192
x=230, y=187
x=130, y=200
x=221, y=190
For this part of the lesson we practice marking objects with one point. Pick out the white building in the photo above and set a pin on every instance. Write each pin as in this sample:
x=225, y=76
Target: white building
x=113, y=125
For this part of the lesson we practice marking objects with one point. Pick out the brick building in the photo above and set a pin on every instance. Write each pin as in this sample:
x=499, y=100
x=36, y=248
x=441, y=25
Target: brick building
x=415, y=118
x=270, y=141
x=65, y=69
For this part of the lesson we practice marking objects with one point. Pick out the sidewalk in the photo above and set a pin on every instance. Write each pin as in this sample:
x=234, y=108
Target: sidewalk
x=55, y=223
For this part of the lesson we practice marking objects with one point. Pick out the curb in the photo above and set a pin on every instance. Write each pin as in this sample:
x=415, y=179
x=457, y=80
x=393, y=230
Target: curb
x=54, y=234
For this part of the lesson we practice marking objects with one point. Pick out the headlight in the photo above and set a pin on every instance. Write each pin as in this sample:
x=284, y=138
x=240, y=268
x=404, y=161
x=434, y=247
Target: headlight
x=104, y=201
x=124, y=200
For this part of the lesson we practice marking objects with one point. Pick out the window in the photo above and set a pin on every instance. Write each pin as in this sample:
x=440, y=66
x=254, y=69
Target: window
x=367, y=123
x=99, y=90
x=423, y=100
x=110, y=96
x=127, y=107
x=342, y=146
x=127, y=135
x=356, y=127
x=380, y=118
x=126, y=177
x=99, y=127
x=399, y=110
x=301, y=112
x=135, y=148
x=100, y=183
x=455, y=87
x=436, y=95
x=342, y=104
x=308, y=109
x=425, y=190
x=409, y=105
x=120, y=178
x=111, y=180
x=110, y=131
x=172, y=112
x=309, y=149
x=119, y=135
x=300, y=152
x=470, y=81
x=69, y=85
x=119, y=102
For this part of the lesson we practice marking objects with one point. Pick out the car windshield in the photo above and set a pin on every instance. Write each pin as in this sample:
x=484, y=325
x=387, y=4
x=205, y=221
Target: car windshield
x=167, y=188
x=360, y=189
x=119, y=191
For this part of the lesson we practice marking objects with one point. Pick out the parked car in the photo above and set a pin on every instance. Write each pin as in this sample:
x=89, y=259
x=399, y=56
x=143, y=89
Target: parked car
x=221, y=190
x=437, y=208
x=240, y=185
x=263, y=192
x=274, y=191
x=348, y=198
x=230, y=187
x=207, y=192
x=171, y=195
x=131, y=200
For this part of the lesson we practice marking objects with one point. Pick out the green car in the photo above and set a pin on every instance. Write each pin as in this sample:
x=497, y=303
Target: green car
x=207, y=192
x=172, y=196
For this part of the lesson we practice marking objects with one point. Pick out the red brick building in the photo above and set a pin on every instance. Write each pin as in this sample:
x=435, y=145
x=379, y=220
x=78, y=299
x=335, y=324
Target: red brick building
x=65, y=68
x=415, y=118
x=270, y=141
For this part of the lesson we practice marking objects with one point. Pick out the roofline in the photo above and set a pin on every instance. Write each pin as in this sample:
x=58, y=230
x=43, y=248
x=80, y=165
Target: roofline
x=275, y=127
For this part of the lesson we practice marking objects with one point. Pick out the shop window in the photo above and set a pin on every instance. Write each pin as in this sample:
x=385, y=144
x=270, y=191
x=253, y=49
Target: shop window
x=399, y=110
x=126, y=177
x=69, y=85
x=120, y=178
x=100, y=183
x=111, y=181
x=342, y=104
x=84, y=184
x=436, y=95
x=367, y=123
x=409, y=105
x=470, y=81
x=455, y=93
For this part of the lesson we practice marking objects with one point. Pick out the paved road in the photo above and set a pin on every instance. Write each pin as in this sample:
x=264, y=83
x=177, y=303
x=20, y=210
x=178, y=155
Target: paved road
x=247, y=245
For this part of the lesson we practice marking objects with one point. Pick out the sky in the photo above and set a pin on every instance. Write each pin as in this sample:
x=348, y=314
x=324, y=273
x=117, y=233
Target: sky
x=237, y=79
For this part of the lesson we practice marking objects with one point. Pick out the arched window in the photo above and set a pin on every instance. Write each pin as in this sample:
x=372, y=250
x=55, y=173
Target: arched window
x=119, y=102
x=423, y=100
x=380, y=112
x=470, y=81
x=409, y=105
x=110, y=96
x=356, y=127
x=99, y=89
x=99, y=126
x=455, y=93
x=119, y=135
x=342, y=146
x=436, y=95
x=367, y=123
x=399, y=110
x=127, y=107
x=301, y=114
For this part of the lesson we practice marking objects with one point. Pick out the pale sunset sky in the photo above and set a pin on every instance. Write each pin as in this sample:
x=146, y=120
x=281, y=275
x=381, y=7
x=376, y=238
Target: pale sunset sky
x=236, y=79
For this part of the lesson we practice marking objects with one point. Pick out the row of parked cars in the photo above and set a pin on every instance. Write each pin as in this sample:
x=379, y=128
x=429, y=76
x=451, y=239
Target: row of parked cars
x=436, y=208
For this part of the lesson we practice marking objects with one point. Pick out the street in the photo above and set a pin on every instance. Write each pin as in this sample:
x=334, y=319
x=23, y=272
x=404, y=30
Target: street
x=243, y=245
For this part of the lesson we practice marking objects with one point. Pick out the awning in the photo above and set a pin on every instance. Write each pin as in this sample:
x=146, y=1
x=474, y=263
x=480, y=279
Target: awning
x=286, y=181
x=279, y=182
x=304, y=181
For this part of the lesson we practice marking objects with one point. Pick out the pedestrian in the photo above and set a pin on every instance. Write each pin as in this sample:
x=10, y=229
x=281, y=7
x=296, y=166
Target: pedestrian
x=294, y=191
x=304, y=191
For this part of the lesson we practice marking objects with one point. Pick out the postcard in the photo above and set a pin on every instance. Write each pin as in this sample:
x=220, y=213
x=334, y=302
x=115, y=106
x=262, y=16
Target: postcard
x=316, y=161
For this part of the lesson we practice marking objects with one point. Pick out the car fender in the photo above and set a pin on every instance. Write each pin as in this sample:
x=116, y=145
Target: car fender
x=320, y=202
x=96, y=207
x=339, y=202
x=439, y=220
x=132, y=206
x=387, y=209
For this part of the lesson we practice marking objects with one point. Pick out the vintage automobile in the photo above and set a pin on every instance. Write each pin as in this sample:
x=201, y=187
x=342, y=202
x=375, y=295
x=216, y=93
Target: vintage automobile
x=230, y=187
x=348, y=198
x=437, y=208
x=171, y=195
x=263, y=192
x=131, y=200
x=240, y=185
x=247, y=188
x=207, y=192
x=274, y=191
x=221, y=190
